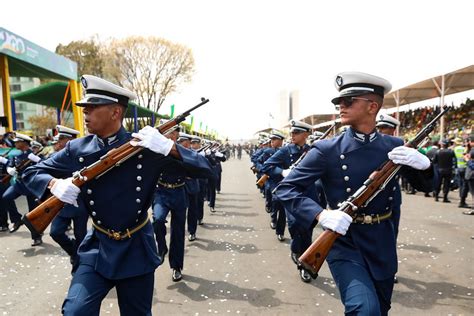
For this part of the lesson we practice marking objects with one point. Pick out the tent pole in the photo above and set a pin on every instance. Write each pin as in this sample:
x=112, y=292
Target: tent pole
x=397, y=100
x=5, y=91
x=441, y=132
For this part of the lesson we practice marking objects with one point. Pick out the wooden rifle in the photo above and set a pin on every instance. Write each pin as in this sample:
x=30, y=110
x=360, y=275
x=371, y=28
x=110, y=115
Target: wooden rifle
x=263, y=179
x=314, y=256
x=39, y=218
x=22, y=166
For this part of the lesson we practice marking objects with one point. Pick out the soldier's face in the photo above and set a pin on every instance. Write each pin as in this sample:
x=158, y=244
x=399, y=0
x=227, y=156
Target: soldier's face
x=99, y=118
x=195, y=146
x=276, y=143
x=298, y=137
x=386, y=130
x=360, y=109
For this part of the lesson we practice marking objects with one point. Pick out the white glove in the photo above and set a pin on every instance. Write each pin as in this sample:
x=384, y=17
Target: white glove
x=207, y=152
x=152, y=139
x=408, y=156
x=12, y=171
x=34, y=158
x=219, y=154
x=3, y=160
x=337, y=221
x=66, y=191
x=202, y=153
x=285, y=172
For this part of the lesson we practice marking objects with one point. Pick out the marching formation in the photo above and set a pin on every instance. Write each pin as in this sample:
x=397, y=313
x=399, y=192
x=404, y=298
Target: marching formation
x=325, y=187
x=348, y=183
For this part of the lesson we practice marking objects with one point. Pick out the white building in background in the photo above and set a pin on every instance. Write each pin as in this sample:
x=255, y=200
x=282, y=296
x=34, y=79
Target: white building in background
x=24, y=110
x=289, y=107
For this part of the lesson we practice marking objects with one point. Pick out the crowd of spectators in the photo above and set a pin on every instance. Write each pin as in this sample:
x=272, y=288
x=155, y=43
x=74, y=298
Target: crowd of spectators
x=459, y=121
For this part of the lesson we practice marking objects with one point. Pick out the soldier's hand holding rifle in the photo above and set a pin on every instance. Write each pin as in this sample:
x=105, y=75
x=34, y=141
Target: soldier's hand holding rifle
x=64, y=190
x=335, y=220
x=408, y=156
x=151, y=138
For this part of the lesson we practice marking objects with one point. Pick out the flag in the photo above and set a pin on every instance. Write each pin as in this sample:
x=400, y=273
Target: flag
x=192, y=124
x=172, y=111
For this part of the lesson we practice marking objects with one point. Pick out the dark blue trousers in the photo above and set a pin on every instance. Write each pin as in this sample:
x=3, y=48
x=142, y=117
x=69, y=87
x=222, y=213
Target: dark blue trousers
x=174, y=201
x=278, y=217
x=12, y=193
x=58, y=233
x=300, y=237
x=7, y=207
x=211, y=192
x=193, y=210
x=360, y=293
x=88, y=289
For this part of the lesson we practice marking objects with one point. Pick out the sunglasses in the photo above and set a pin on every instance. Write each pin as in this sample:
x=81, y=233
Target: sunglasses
x=348, y=101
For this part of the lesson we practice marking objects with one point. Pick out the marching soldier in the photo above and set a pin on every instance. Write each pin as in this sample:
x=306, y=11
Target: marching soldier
x=77, y=215
x=6, y=206
x=278, y=166
x=22, y=142
x=215, y=157
x=171, y=196
x=192, y=190
x=276, y=141
x=363, y=261
x=387, y=124
x=196, y=145
x=120, y=251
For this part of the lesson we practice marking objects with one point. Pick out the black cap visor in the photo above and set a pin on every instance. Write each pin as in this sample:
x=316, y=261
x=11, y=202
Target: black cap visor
x=351, y=93
x=95, y=101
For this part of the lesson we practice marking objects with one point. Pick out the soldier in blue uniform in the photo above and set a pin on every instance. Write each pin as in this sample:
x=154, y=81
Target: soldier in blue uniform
x=363, y=261
x=215, y=157
x=192, y=191
x=120, y=251
x=171, y=197
x=77, y=215
x=18, y=188
x=278, y=166
x=6, y=206
x=276, y=141
x=387, y=125
x=203, y=183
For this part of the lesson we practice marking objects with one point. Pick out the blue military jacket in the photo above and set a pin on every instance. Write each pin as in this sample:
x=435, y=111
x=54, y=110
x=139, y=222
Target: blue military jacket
x=282, y=159
x=118, y=200
x=342, y=164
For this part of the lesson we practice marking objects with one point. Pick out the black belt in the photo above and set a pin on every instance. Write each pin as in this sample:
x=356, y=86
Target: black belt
x=372, y=218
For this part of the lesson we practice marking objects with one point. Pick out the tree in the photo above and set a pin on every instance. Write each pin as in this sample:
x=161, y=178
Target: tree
x=87, y=54
x=40, y=123
x=151, y=67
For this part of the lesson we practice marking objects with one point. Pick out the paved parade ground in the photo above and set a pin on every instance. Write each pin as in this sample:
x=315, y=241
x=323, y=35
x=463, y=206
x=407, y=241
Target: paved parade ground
x=237, y=265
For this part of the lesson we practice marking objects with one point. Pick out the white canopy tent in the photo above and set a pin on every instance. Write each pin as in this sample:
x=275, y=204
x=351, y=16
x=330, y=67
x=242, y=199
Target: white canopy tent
x=440, y=86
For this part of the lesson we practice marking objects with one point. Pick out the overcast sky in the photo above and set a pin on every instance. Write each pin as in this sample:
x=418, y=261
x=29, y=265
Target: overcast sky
x=246, y=52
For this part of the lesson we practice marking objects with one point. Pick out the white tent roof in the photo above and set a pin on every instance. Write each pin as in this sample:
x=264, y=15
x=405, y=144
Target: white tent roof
x=457, y=81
